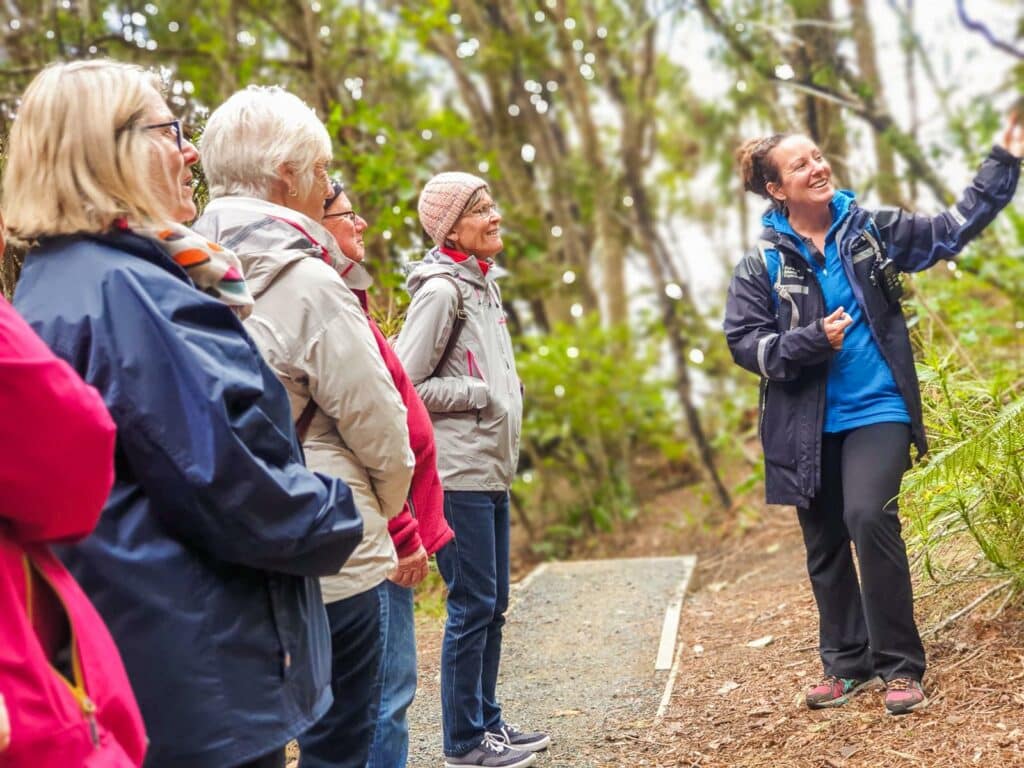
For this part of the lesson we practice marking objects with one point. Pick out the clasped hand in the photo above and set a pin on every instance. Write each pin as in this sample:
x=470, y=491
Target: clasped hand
x=835, y=326
x=411, y=570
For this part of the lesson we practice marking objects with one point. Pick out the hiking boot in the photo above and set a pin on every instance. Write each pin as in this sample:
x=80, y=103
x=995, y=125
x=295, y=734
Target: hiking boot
x=904, y=695
x=527, y=741
x=492, y=752
x=835, y=691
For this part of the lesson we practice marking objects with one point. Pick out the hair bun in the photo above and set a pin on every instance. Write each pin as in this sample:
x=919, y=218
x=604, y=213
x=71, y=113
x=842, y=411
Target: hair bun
x=756, y=170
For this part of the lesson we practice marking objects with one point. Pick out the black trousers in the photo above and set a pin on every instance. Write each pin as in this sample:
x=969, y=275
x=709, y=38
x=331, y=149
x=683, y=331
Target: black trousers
x=866, y=628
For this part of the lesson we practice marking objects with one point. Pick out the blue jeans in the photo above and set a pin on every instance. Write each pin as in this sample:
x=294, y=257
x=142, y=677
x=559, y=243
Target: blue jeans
x=341, y=738
x=397, y=678
x=475, y=566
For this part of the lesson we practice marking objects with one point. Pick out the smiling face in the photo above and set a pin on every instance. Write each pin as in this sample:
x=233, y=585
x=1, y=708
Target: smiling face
x=347, y=226
x=806, y=176
x=171, y=167
x=478, y=231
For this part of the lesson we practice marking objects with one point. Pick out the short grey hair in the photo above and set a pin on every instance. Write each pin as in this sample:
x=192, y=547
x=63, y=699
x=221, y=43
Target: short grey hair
x=253, y=133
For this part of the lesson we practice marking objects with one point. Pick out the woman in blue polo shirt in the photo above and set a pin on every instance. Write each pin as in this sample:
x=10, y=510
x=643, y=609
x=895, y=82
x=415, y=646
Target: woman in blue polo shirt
x=815, y=310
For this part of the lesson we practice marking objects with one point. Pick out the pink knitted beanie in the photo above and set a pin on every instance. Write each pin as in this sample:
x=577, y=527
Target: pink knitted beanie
x=443, y=200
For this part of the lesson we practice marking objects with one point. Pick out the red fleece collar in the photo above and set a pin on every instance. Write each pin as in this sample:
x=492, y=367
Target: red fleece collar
x=459, y=256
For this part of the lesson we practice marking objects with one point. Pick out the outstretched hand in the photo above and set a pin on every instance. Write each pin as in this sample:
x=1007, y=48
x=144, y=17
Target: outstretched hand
x=1013, y=137
x=835, y=326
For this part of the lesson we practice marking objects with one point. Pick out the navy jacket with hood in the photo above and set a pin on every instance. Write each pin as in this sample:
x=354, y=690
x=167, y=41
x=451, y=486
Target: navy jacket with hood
x=204, y=561
x=774, y=310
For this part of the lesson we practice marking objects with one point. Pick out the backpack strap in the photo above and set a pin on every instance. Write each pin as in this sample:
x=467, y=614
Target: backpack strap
x=457, y=324
x=875, y=239
x=775, y=271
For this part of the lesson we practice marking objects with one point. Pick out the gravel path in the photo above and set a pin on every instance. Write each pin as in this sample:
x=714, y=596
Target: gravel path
x=579, y=651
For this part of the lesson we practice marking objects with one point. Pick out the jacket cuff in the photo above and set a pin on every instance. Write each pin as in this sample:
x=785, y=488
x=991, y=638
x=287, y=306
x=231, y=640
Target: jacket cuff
x=435, y=544
x=405, y=533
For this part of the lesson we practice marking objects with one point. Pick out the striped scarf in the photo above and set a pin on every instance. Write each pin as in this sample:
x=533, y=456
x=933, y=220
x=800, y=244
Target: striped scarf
x=214, y=270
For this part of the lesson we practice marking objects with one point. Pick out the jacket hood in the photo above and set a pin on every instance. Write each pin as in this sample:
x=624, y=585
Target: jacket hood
x=437, y=262
x=775, y=222
x=267, y=238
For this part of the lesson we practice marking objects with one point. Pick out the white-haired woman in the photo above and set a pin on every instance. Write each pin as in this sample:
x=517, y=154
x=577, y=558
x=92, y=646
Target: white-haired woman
x=205, y=557
x=418, y=532
x=266, y=154
x=465, y=372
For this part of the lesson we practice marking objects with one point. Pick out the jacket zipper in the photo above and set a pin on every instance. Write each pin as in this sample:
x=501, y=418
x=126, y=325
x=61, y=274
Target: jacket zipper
x=850, y=275
x=820, y=418
x=471, y=366
x=77, y=687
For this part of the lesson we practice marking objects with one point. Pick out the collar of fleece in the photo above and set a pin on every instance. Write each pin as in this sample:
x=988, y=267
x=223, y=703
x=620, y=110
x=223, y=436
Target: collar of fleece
x=459, y=256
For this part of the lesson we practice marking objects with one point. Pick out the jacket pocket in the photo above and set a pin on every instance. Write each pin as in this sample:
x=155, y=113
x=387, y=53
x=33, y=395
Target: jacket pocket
x=778, y=426
x=284, y=656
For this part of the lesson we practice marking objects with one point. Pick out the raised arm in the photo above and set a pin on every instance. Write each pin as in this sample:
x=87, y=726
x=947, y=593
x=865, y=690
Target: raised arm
x=915, y=241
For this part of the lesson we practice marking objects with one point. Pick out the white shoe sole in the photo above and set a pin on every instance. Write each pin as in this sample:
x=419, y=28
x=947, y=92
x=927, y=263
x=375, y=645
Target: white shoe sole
x=923, y=704
x=529, y=759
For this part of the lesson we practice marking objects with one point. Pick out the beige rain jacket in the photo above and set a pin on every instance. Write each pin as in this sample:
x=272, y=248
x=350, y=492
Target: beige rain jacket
x=312, y=331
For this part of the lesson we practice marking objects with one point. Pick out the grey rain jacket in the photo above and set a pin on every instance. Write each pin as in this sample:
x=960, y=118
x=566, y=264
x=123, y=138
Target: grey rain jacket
x=775, y=329
x=313, y=333
x=476, y=400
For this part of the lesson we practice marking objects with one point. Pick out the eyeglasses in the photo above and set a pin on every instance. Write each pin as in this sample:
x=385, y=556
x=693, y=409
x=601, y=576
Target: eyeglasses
x=351, y=216
x=173, y=125
x=485, y=212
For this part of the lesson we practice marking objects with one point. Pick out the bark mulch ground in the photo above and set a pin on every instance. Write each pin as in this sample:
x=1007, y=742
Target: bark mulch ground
x=736, y=705
x=741, y=706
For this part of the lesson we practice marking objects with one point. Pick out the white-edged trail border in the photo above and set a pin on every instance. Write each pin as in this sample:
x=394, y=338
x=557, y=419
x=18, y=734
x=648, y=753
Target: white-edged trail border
x=588, y=646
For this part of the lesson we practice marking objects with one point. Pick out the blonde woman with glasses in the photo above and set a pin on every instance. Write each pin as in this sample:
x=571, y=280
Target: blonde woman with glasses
x=205, y=556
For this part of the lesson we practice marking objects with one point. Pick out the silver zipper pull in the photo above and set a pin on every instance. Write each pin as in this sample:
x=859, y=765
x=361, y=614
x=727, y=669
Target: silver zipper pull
x=89, y=710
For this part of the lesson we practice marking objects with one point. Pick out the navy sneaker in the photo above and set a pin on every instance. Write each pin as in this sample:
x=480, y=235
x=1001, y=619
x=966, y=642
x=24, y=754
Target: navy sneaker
x=527, y=741
x=492, y=752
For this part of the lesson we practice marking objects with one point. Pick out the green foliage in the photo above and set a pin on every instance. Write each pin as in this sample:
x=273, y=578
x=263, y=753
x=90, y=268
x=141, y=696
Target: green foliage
x=414, y=87
x=973, y=486
x=965, y=503
x=592, y=404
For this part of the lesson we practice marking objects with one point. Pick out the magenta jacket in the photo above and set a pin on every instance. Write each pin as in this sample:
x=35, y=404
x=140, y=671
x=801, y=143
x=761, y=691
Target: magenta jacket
x=56, y=469
x=422, y=520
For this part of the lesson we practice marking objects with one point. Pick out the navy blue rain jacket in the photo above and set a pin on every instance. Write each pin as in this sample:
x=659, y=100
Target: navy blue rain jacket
x=205, y=559
x=776, y=331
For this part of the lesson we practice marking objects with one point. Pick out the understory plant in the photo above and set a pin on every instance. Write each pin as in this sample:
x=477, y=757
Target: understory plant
x=594, y=401
x=965, y=501
x=971, y=489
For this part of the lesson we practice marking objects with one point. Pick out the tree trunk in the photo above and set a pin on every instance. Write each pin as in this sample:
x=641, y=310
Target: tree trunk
x=864, y=39
x=816, y=46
